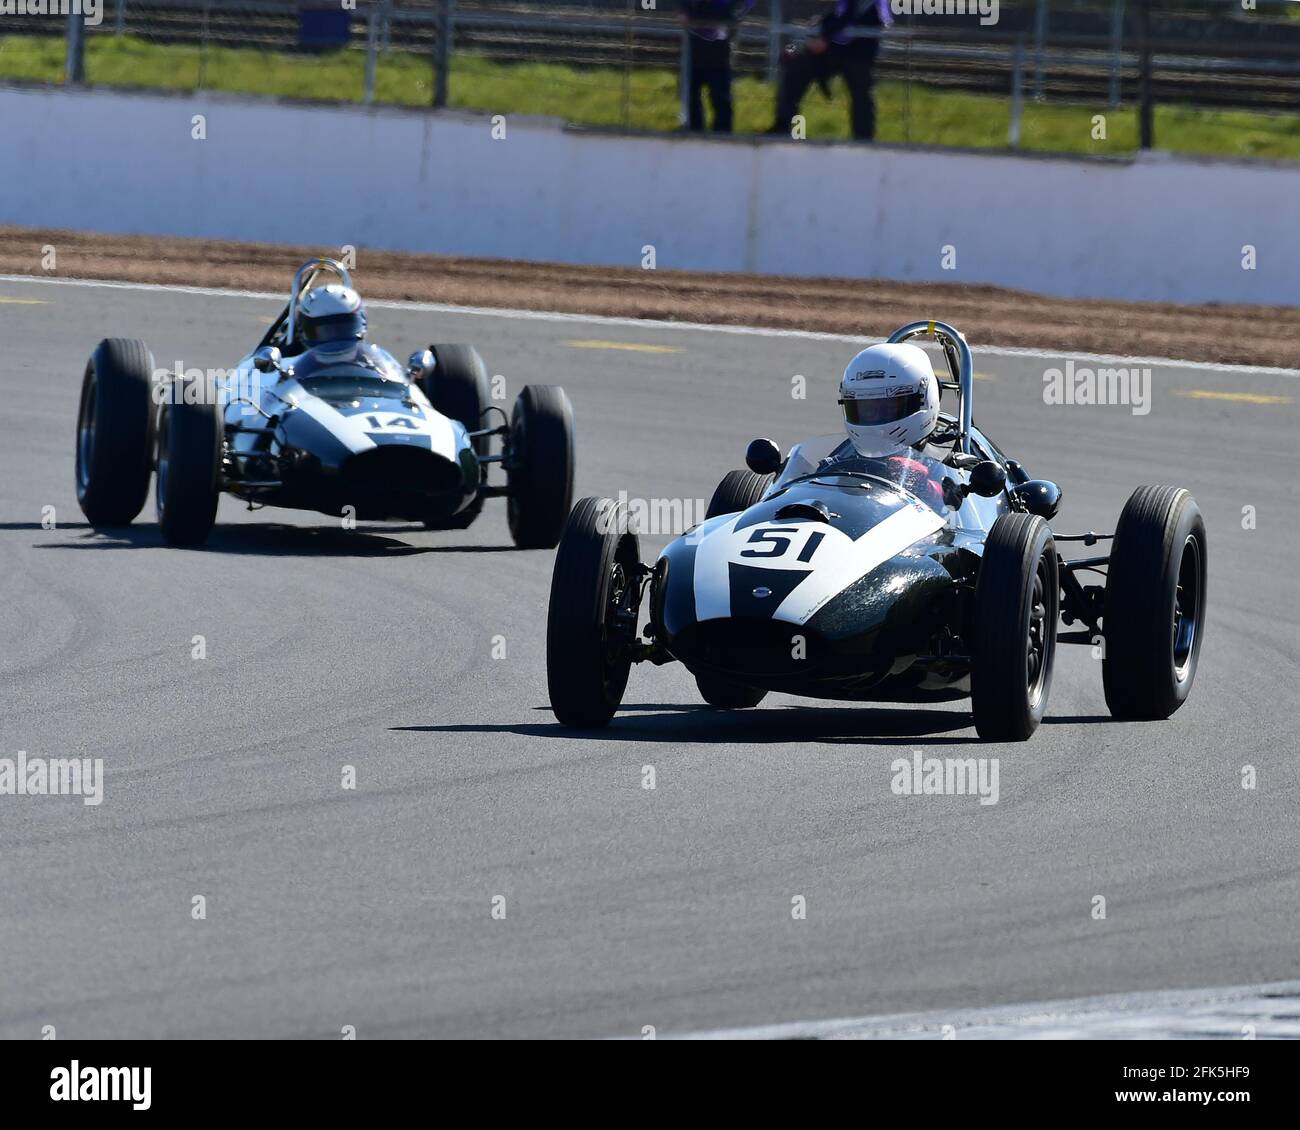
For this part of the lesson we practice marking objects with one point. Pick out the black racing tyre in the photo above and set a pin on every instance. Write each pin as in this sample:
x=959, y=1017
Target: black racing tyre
x=115, y=432
x=458, y=388
x=726, y=695
x=539, y=467
x=587, y=661
x=1153, y=620
x=739, y=490
x=189, y=463
x=1017, y=603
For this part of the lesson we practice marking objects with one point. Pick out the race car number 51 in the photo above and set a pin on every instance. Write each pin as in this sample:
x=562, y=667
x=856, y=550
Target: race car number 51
x=776, y=541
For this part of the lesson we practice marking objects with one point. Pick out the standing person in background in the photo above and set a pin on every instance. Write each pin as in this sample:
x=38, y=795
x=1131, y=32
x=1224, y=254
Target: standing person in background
x=710, y=25
x=832, y=50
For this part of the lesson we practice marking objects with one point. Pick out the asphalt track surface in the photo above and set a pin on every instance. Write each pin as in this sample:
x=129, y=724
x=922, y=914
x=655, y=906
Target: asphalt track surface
x=625, y=907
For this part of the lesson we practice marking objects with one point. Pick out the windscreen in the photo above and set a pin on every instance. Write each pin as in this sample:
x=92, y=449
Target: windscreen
x=827, y=456
x=354, y=383
x=351, y=371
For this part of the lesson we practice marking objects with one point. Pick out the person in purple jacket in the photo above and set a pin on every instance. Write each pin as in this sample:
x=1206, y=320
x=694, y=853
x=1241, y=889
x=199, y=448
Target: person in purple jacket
x=833, y=49
x=710, y=25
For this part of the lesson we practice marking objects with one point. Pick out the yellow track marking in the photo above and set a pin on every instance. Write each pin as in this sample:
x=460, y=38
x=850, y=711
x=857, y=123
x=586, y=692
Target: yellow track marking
x=628, y=346
x=1239, y=397
x=23, y=301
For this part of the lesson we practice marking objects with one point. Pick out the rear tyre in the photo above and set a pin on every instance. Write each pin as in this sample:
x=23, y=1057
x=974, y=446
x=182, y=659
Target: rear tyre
x=189, y=463
x=1017, y=603
x=1154, y=617
x=587, y=642
x=539, y=470
x=739, y=490
x=115, y=432
x=458, y=388
x=727, y=696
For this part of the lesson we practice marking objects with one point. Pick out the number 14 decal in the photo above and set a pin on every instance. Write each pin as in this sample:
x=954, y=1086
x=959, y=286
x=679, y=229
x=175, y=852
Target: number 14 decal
x=776, y=541
x=392, y=422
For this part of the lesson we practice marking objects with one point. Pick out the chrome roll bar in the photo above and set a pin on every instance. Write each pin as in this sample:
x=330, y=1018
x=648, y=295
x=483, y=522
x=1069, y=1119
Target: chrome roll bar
x=960, y=364
x=303, y=278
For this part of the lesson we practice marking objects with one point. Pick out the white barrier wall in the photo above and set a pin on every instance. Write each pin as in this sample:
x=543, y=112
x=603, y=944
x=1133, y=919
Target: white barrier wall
x=1160, y=228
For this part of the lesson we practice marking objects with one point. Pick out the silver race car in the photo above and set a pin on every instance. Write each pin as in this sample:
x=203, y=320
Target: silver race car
x=316, y=418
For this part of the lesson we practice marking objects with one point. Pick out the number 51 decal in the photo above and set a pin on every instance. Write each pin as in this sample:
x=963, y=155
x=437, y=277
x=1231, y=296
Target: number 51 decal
x=776, y=541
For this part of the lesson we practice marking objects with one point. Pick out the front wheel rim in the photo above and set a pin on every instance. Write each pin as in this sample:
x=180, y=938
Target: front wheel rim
x=611, y=666
x=1187, y=607
x=86, y=432
x=1037, y=659
x=514, y=512
x=164, y=431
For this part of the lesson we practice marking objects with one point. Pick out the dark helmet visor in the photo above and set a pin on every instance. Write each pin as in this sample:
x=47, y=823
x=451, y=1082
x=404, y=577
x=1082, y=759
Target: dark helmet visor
x=882, y=409
x=334, y=327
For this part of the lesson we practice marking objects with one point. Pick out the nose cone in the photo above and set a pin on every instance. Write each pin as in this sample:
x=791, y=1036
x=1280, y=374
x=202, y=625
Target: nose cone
x=789, y=557
x=875, y=628
x=795, y=584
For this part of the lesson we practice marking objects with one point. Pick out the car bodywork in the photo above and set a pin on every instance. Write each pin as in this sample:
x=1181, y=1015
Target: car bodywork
x=852, y=577
x=313, y=423
x=848, y=580
x=338, y=426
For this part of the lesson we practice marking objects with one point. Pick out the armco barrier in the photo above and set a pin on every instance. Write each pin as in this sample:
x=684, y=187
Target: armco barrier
x=1161, y=228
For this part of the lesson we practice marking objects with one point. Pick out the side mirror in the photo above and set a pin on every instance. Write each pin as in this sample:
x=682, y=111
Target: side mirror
x=1016, y=473
x=1039, y=496
x=763, y=457
x=267, y=359
x=421, y=363
x=987, y=478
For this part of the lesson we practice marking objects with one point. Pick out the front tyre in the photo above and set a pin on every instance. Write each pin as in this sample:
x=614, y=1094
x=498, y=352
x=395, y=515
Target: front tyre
x=1017, y=602
x=189, y=464
x=591, y=623
x=115, y=432
x=739, y=490
x=539, y=468
x=458, y=388
x=1154, y=617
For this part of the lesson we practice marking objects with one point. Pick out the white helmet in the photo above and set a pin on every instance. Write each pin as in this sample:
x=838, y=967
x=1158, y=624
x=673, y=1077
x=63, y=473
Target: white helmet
x=332, y=313
x=890, y=398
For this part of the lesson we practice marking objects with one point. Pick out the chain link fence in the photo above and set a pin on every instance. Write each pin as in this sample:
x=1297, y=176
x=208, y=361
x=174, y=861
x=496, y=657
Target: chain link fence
x=1037, y=77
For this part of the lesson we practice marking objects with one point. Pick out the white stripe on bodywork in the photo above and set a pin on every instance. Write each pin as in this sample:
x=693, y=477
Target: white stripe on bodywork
x=353, y=430
x=903, y=527
x=841, y=561
x=712, y=577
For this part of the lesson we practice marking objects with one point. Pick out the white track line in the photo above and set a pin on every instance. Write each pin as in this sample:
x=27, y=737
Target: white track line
x=1244, y=1011
x=658, y=324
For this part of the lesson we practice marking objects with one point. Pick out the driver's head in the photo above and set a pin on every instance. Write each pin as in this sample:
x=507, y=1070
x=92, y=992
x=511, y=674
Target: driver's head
x=890, y=399
x=331, y=313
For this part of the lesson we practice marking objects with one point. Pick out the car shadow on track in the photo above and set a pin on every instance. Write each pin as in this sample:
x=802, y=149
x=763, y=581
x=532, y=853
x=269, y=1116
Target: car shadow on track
x=1079, y=720
x=773, y=725
x=269, y=539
